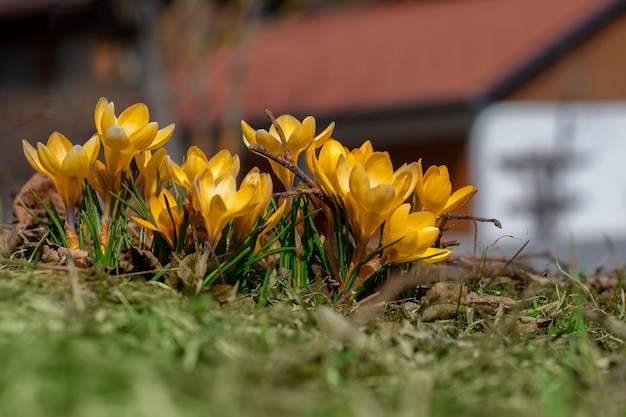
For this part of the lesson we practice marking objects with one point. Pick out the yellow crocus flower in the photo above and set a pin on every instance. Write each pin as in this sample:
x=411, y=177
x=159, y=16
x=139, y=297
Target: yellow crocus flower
x=324, y=166
x=65, y=164
x=219, y=201
x=434, y=191
x=168, y=217
x=371, y=190
x=262, y=184
x=410, y=237
x=298, y=137
x=196, y=162
x=153, y=170
x=125, y=136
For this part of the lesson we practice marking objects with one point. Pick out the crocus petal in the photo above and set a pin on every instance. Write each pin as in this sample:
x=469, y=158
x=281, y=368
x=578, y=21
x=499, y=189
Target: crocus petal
x=48, y=160
x=379, y=168
x=224, y=163
x=270, y=142
x=100, y=108
x=287, y=123
x=75, y=163
x=115, y=139
x=460, y=198
x=33, y=158
x=433, y=255
x=404, y=181
x=249, y=134
x=162, y=137
x=59, y=145
x=320, y=139
x=107, y=118
x=142, y=138
x=92, y=149
x=301, y=137
x=134, y=118
x=241, y=202
x=178, y=174
x=144, y=223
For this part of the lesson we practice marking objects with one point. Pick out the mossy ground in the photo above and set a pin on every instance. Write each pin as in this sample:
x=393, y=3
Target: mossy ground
x=103, y=346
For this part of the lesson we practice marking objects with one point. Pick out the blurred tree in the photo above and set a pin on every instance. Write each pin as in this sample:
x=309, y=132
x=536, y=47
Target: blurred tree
x=190, y=31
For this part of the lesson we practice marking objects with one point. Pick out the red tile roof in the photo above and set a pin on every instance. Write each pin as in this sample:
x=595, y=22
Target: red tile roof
x=393, y=55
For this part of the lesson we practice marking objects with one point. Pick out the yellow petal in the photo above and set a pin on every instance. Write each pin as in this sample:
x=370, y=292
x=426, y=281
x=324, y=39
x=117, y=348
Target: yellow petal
x=379, y=168
x=178, y=174
x=433, y=255
x=216, y=222
x=75, y=163
x=162, y=137
x=249, y=134
x=48, y=160
x=99, y=112
x=404, y=181
x=107, y=118
x=241, y=202
x=321, y=138
x=59, y=145
x=134, y=118
x=274, y=218
x=225, y=185
x=287, y=123
x=285, y=176
x=33, y=158
x=224, y=163
x=436, y=189
x=142, y=138
x=74, y=170
x=460, y=198
x=270, y=142
x=144, y=223
x=380, y=199
x=92, y=149
x=426, y=238
x=115, y=138
x=117, y=161
x=301, y=137
x=197, y=152
x=343, y=173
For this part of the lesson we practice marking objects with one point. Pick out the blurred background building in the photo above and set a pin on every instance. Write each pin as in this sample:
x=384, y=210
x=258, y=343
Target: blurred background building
x=412, y=76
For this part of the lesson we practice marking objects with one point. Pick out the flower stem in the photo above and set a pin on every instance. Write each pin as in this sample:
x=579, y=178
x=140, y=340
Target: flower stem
x=70, y=227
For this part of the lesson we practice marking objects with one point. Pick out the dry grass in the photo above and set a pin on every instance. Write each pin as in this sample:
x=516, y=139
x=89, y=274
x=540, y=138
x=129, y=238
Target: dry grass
x=101, y=346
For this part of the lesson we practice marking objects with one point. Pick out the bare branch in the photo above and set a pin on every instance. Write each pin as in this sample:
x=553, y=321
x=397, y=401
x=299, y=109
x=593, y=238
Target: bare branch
x=290, y=166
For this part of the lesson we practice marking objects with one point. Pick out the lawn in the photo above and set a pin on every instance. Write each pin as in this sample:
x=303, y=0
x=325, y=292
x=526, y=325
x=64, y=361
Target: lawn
x=90, y=344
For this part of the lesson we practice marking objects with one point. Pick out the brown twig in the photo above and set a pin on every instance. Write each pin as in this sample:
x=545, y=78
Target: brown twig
x=290, y=166
x=297, y=191
x=456, y=216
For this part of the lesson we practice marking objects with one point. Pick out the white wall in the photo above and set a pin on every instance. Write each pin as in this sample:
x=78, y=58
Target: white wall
x=591, y=138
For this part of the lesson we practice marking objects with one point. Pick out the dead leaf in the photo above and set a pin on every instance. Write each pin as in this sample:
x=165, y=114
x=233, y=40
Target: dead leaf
x=44, y=188
x=55, y=254
x=488, y=304
x=443, y=301
x=447, y=300
x=138, y=260
x=224, y=293
x=10, y=242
